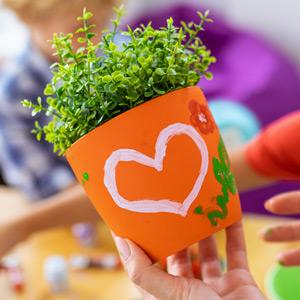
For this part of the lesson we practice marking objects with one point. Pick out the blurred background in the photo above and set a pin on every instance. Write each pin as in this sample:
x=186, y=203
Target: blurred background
x=257, y=80
x=276, y=20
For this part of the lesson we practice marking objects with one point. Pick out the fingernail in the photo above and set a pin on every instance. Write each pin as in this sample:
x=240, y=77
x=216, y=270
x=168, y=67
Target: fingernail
x=280, y=261
x=265, y=233
x=268, y=205
x=268, y=231
x=123, y=248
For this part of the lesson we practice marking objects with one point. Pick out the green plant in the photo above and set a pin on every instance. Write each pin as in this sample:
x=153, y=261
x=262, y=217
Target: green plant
x=100, y=80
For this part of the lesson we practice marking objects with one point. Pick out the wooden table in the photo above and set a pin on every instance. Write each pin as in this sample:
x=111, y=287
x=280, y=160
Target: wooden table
x=106, y=285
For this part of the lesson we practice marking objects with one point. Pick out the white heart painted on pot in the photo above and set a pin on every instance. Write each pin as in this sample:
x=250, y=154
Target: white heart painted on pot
x=164, y=205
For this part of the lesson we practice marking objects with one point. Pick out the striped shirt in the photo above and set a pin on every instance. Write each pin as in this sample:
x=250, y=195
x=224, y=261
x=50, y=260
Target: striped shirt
x=26, y=163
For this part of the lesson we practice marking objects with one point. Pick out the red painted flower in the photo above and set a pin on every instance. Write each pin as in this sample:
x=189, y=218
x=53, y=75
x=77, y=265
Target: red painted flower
x=201, y=117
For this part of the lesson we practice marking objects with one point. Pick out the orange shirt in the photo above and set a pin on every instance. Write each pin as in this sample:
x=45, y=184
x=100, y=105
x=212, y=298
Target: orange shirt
x=275, y=152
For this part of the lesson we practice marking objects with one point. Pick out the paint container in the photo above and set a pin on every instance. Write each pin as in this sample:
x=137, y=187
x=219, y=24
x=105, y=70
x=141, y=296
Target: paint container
x=85, y=234
x=56, y=274
x=282, y=283
x=16, y=279
x=106, y=262
x=14, y=273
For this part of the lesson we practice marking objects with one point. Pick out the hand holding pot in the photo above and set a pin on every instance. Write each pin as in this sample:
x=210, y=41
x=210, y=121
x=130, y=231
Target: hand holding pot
x=285, y=204
x=179, y=283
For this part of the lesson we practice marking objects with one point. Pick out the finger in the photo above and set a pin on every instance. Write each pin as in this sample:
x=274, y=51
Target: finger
x=284, y=204
x=282, y=233
x=209, y=259
x=289, y=258
x=236, y=247
x=144, y=274
x=180, y=264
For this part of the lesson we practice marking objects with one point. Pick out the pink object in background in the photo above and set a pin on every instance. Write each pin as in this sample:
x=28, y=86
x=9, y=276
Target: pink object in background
x=15, y=274
x=16, y=279
x=85, y=234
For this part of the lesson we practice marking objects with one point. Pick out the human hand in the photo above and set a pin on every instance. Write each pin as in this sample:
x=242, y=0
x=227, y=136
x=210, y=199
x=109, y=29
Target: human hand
x=285, y=204
x=12, y=232
x=179, y=282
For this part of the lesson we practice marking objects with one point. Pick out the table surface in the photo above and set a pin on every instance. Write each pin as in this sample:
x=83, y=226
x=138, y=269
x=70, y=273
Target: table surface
x=107, y=285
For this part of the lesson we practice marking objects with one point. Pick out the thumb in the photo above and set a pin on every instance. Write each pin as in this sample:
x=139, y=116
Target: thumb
x=145, y=275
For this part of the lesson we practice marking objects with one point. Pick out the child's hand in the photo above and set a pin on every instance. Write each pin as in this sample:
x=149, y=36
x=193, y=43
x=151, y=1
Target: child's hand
x=180, y=284
x=11, y=233
x=285, y=204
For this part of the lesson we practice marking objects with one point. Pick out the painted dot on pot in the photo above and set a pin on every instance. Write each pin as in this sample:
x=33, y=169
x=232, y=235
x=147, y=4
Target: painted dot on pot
x=199, y=210
x=85, y=177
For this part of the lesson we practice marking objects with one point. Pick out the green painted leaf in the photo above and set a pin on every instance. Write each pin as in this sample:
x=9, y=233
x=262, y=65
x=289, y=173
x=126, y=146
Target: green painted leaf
x=199, y=210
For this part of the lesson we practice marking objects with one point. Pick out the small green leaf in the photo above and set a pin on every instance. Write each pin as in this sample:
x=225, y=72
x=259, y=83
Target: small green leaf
x=26, y=103
x=132, y=95
x=81, y=40
x=117, y=76
x=142, y=60
x=87, y=15
x=90, y=35
x=148, y=93
x=112, y=88
x=160, y=71
x=159, y=91
x=80, y=30
x=112, y=46
x=48, y=90
x=208, y=75
x=172, y=72
x=135, y=68
x=106, y=79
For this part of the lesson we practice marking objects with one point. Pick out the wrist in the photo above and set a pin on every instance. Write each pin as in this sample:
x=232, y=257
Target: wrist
x=22, y=227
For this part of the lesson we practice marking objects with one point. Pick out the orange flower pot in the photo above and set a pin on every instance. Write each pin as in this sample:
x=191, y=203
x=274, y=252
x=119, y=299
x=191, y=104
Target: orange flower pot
x=159, y=174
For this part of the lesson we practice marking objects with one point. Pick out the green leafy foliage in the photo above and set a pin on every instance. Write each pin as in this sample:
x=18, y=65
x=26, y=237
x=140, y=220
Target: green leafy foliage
x=99, y=81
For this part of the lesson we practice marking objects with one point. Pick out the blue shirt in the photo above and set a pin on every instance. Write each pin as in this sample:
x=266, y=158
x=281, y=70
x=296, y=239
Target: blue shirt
x=26, y=163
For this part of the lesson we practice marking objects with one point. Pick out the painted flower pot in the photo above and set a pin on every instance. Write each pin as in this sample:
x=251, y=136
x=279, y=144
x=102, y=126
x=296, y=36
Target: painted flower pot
x=159, y=174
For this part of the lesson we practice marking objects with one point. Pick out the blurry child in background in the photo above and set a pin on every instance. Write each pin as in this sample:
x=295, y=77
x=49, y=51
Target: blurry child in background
x=25, y=163
x=275, y=155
